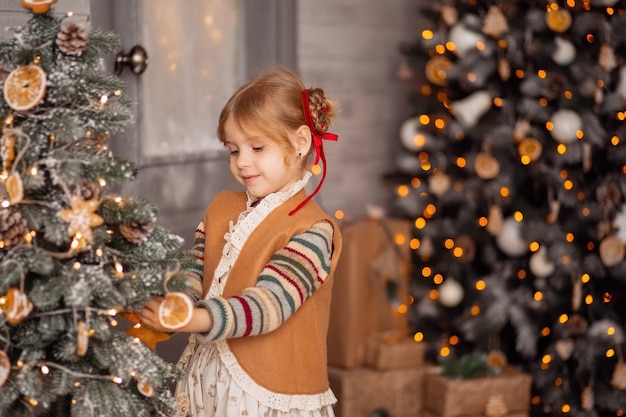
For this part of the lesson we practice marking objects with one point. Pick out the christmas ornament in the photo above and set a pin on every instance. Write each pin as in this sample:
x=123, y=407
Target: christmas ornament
x=587, y=399
x=146, y=389
x=510, y=240
x=566, y=123
x=565, y=51
x=540, y=265
x=82, y=217
x=496, y=359
x=7, y=149
x=435, y=70
x=470, y=109
x=426, y=249
x=495, y=24
x=504, y=69
x=611, y=251
x=606, y=58
x=175, y=311
x=25, y=87
x=5, y=367
x=412, y=137
x=147, y=336
x=450, y=293
x=13, y=227
x=82, y=338
x=449, y=14
x=577, y=293
x=15, y=188
x=495, y=219
x=439, y=183
x=618, y=379
x=486, y=166
x=72, y=38
x=136, y=232
x=464, y=39
x=38, y=6
x=564, y=348
x=531, y=148
x=496, y=406
x=609, y=195
x=17, y=306
x=521, y=129
x=558, y=20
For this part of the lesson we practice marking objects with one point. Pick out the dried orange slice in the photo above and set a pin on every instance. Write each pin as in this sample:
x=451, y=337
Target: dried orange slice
x=5, y=367
x=15, y=188
x=18, y=305
x=25, y=87
x=497, y=359
x=146, y=389
x=176, y=310
x=82, y=342
x=38, y=6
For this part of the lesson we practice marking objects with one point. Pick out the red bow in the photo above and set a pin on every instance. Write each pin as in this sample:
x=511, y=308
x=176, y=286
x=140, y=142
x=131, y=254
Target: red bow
x=317, y=142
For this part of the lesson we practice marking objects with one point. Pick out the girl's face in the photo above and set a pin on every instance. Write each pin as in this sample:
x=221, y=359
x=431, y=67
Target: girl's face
x=258, y=163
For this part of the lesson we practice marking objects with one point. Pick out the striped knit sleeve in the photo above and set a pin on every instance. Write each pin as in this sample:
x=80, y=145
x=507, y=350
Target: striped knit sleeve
x=194, y=273
x=292, y=275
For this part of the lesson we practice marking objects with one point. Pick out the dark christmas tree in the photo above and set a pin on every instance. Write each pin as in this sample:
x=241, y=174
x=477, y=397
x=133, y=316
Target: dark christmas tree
x=513, y=170
x=74, y=255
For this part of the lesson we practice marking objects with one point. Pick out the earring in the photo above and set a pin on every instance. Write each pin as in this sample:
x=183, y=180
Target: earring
x=300, y=155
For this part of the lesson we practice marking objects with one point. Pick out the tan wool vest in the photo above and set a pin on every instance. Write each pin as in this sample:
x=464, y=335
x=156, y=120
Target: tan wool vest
x=291, y=359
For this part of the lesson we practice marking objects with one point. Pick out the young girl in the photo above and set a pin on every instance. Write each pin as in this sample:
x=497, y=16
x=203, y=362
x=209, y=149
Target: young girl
x=266, y=259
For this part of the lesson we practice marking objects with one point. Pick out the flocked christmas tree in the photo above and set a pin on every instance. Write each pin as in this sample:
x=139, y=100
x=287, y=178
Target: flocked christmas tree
x=514, y=172
x=74, y=256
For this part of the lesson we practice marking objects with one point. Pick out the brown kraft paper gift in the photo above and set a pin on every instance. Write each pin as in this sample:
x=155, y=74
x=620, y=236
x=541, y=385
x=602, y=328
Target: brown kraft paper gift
x=360, y=306
x=453, y=397
x=362, y=391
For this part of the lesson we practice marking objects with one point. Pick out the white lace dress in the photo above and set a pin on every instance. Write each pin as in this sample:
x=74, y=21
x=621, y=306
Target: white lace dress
x=214, y=384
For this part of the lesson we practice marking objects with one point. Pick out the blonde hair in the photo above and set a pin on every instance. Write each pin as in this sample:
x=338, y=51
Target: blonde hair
x=272, y=105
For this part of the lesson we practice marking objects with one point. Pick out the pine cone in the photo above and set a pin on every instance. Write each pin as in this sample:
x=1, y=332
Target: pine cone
x=73, y=38
x=87, y=190
x=136, y=233
x=13, y=227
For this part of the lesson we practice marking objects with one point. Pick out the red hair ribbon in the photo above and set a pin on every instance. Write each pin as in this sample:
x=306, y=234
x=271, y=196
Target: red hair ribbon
x=317, y=142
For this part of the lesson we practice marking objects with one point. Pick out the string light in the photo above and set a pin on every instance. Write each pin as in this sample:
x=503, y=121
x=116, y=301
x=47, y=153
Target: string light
x=418, y=337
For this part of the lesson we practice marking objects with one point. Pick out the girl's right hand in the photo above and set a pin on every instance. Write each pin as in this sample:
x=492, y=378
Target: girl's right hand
x=200, y=319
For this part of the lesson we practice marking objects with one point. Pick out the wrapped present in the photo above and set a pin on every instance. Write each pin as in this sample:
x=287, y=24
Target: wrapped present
x=504, y=395
x=370, y=287
x=361, y=391
x=383, y=353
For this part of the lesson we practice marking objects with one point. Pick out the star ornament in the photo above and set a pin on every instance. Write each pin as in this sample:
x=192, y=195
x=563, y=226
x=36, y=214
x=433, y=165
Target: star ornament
x=38, y=6
x=82, y=217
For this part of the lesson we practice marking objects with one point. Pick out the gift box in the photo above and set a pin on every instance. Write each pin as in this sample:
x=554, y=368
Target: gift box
x=361, y=391
x=382, y=353
x=375, y=258
x=504, y=395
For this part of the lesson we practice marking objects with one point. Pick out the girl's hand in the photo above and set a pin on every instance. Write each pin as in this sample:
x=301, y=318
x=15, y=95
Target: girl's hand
x=149, y=315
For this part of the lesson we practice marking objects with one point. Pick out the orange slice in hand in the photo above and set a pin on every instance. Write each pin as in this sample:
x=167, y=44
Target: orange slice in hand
x=176, y=310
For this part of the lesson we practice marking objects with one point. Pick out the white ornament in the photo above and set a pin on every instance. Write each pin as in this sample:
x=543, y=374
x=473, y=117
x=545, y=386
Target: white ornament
x=470, y=109
x=450, y=293
x=565, y=51
x=510, y=240
x=439, y=183
x=564, y=348
x=464, y=40
x=540, y=265
x=566, y=123
x=411, y=137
